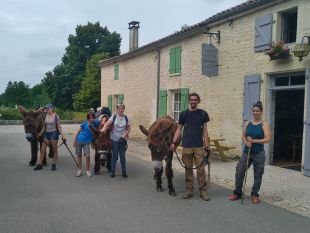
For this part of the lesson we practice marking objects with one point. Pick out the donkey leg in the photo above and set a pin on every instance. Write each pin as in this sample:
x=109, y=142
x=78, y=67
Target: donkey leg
x=97, y=163
x=169, y=174
x=34, y=153
x=157, y=176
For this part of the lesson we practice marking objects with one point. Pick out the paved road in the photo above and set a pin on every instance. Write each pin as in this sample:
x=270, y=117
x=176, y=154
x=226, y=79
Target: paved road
x=46, y=201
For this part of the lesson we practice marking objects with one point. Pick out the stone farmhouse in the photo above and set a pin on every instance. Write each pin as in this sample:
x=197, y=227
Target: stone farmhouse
x=224, y=59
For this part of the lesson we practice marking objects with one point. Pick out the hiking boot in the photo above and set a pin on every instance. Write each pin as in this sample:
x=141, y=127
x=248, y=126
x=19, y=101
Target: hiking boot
x=204, y=195
x=38, y=167
x=255, y=199
x=188, y=194
x=79, y=173
x=53, y=167
x=88, y=173
x=233, y=197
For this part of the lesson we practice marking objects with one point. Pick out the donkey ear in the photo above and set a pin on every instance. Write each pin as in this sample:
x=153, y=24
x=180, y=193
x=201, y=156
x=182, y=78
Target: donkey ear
x=94, y=130
x=40, y=110
x=22, y=110
x=144, y=130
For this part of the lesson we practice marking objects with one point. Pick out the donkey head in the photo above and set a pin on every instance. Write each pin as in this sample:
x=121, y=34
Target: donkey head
x=33, y=122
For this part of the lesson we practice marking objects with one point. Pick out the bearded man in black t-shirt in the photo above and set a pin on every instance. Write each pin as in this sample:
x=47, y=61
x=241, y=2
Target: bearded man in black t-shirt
x=195, y=145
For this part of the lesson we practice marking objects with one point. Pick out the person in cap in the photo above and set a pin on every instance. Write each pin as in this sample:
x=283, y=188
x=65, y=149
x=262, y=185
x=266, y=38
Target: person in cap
x=50, y=133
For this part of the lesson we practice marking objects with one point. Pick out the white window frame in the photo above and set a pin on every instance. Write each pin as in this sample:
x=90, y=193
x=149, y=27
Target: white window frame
x=176, y=105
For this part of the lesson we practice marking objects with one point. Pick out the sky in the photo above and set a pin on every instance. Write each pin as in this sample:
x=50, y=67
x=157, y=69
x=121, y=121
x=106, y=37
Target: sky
x=34, y=33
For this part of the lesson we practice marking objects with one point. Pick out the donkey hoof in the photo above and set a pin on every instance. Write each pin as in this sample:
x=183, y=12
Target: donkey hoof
x=172, y=193
x=31, y=164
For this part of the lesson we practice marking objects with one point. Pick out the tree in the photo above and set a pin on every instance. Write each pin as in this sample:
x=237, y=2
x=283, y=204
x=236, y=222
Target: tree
x=65, y=80
x=39, y=95
x=89, y=94
x=17, y=93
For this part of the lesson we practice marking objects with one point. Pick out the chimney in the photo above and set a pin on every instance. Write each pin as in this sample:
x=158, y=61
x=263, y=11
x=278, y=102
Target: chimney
x=133, y=35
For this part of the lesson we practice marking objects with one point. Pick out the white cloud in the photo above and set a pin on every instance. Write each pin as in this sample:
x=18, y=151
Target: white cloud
x=34, y=32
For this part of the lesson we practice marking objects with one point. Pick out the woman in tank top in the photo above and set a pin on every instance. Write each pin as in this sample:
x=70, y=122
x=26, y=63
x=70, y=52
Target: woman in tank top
x=50, y=132
x=255, y=134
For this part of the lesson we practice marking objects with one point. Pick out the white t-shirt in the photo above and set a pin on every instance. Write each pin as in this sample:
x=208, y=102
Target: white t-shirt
x=119, y=127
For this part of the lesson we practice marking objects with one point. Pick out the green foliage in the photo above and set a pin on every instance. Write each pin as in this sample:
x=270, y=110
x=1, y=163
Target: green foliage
x=17, y=93
x=10, y=114
x=39, y=95
x=65, y=80
x=89, y=94
x=70, y=115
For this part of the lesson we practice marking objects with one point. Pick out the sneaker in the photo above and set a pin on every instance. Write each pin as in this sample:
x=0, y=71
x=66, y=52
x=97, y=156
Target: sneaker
x=188, y=194
x=255, y=199
x=125, y=175
x=79, y=173
x=204, y=195
x=53, y=167
x=88, y=173
x=233, y=197
x=38, y=167
x=112, y=175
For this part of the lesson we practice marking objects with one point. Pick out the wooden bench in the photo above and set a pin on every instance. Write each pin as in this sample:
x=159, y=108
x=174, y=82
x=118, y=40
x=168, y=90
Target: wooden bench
x=215, y=143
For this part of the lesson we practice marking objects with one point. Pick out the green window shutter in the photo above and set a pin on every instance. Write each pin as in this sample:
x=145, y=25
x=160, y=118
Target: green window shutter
x=184, y=98
x=163, y=103
x=121, y=99
x=178, y=51
x=116, y=71
x=110, y=102
x=172, y=61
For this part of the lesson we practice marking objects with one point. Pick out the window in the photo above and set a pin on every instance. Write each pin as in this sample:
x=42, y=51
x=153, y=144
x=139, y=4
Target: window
x=176, y=105
x=175, y=61
x=289, y=80
x=114, y=100
x=116, y=71
x=289, y=25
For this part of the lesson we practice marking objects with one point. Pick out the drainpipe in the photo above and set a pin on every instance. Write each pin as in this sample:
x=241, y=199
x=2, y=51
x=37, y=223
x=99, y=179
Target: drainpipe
x=158, y=82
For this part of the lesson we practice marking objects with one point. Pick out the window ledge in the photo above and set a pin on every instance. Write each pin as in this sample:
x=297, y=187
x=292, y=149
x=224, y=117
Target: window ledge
x=175, y=74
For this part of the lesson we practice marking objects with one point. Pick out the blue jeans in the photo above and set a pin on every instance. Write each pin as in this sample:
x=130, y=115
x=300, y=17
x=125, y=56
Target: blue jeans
x=258, y=161
x=118, y=149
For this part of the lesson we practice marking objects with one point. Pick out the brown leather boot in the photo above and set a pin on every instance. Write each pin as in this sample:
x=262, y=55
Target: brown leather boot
x=188, y=194
x=204, y=195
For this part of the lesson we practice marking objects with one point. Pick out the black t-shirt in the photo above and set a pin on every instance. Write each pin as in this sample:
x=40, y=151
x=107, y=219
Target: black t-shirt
x=193, y=121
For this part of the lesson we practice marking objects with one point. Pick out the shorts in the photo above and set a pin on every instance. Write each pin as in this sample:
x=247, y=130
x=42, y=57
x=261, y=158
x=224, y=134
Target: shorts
x=82, y=147
x=51, y=136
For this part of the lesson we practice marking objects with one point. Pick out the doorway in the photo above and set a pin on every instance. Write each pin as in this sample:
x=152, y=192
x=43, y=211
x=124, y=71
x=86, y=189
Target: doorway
x=288, y=128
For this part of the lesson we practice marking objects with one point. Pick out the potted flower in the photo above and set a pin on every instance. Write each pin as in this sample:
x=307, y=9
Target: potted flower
x=278, y=50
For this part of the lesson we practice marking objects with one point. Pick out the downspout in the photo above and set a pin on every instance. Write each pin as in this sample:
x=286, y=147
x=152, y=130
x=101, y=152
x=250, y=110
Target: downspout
x=158, y=82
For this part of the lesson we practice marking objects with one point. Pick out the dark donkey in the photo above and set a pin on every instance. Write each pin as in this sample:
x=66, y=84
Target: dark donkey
x=103, y=145
x=33, y=123
x=159, y=137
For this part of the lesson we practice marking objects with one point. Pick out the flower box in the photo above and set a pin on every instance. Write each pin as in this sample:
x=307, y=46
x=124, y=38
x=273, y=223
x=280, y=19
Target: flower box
x=278, y=50
x=281, y=55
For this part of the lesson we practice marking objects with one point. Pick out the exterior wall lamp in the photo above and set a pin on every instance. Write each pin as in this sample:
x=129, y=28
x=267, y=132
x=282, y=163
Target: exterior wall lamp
x=302, y=50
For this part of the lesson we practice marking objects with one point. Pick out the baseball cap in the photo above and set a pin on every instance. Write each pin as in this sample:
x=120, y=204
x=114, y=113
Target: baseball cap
x=49, y=106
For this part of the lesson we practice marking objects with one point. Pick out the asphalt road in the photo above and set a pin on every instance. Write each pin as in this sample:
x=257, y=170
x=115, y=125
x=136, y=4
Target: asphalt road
x=47, y=201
